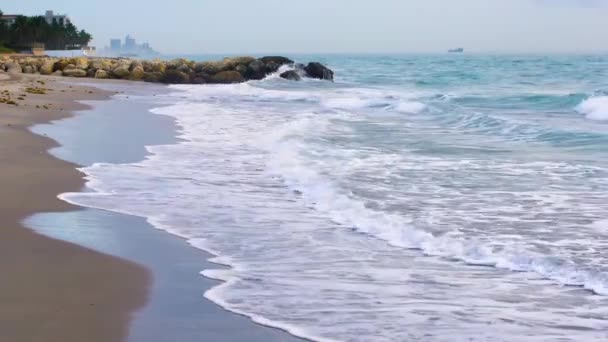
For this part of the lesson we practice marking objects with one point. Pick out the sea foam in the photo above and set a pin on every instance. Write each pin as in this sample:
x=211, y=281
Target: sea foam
x=595, y=108
x=322, y=194
x=340, y=221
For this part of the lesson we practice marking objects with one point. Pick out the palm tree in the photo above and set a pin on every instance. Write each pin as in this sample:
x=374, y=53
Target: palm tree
x=3, y=30
x=84, y=38
x=20, y=32
x=38, y=28
x=56, y=38
x=26, y=31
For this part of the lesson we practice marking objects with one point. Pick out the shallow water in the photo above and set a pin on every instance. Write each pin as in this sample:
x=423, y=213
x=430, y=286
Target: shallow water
x=433, y=198
x=176, y=309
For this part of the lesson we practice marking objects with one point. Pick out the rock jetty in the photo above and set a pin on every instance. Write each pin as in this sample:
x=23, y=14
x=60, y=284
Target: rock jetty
x=177, y=71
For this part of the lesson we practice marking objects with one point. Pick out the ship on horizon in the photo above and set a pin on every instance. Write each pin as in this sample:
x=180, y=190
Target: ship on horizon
x=457, y=50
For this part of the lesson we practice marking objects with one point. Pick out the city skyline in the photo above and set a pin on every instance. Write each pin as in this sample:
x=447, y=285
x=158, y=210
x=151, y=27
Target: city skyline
x=345, y=26
x=129, y=47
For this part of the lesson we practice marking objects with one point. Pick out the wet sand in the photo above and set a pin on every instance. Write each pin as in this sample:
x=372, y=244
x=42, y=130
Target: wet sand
x=117, y=131
x=53, y=290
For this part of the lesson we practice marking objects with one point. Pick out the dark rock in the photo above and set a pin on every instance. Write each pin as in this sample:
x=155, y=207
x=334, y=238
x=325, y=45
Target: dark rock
x=75, y=73
x=136, y=64
x=273, y=63
x=318, y=70
x=276, y=60
x=291, y=75
x=103, y=64
x=233, y=62
x=228, y=70
x=119, y=72
x=272, y=67
x=100, y=73
x=227, y=77
x=256, y=70
x=208, y=67
x=260, y=68
x=14, y=68
x=241, y=68
x=60, y=64
x=153, y=76
x=184, y=68
x=256, y=66
x=156, y=66
x=175, y=77
x=199, y=78
x=176, y=63
x=81, y=63
x=47, y=67
x=137, y=73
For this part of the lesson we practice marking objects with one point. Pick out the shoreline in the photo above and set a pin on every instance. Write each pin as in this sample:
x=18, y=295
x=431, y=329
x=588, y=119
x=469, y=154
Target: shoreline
x=175, y=280
x=53, y=290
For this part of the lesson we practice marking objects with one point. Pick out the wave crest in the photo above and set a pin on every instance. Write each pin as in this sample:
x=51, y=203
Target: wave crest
x=595, y=108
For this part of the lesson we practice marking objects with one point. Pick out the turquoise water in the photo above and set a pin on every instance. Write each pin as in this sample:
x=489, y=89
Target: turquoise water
x=434, y=198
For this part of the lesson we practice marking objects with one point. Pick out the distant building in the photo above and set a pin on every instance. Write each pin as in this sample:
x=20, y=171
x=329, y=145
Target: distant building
x=115, y=44
x=129, y=49
x=130, y=43
x=49, y=16
x=60, y=19
x=9, y=19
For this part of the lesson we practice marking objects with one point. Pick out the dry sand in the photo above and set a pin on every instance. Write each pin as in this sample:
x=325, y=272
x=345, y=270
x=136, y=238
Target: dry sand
x=52, y=290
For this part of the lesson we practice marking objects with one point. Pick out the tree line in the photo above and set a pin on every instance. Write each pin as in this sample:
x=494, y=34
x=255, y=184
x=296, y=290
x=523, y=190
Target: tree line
x=26, y=31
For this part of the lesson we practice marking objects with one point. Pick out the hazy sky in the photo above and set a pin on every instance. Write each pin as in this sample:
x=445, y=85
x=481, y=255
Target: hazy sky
x=259, y=26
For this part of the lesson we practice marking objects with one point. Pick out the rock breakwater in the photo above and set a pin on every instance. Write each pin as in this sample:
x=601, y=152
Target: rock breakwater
x=177, y=71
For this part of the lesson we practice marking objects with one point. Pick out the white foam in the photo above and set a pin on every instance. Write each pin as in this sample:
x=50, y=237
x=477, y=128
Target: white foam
x=350, y=103
x=218, y=295
x=321, y=194
x=277, y=75
x=373, y=101
x=600, y=226
x=314, y=244
x=595, y=108
x=410, y=107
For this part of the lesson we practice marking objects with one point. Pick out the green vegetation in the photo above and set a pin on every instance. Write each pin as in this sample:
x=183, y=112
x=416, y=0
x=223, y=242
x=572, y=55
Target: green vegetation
x=4, y=49
x=27, y=31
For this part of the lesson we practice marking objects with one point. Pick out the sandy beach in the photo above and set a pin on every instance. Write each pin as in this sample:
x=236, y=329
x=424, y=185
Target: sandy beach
x=53, y=290
x=418, y=171
x=83, y=274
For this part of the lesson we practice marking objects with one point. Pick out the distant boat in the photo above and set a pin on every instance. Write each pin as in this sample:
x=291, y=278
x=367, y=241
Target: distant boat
x=459, y=50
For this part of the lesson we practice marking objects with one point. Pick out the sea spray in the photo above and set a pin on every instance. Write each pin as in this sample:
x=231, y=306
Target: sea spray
x=595, y=108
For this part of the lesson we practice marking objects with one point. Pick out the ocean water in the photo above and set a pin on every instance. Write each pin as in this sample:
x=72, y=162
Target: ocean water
x=417, y=198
